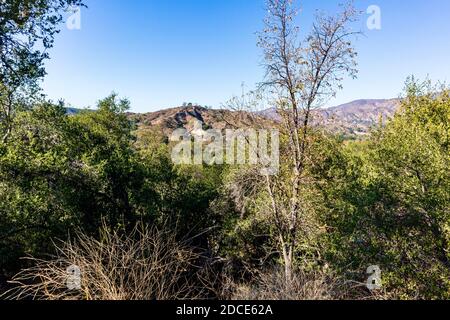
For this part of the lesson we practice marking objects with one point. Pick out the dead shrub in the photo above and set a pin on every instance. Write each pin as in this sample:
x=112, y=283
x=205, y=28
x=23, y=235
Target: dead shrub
x=148, y=264
x=272, y=285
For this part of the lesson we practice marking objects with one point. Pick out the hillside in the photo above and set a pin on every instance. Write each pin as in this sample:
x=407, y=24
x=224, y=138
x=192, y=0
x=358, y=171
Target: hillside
x=188, y=117
x=352, y=119
x=357, y=117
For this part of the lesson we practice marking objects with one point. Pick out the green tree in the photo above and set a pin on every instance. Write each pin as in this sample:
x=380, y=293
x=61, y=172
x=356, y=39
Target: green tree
x=59, y=173
x=36, y=178
x=388, y=199
x=27, y=31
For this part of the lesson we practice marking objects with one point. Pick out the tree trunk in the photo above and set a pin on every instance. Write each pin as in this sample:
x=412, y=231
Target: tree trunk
x=8, y=123
x=288, y=261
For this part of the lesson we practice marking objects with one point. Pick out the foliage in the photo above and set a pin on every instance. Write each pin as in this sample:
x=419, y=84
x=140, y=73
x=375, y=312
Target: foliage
x=59, y=173
x=27, y=30
x=335, y=207
x=388, y=199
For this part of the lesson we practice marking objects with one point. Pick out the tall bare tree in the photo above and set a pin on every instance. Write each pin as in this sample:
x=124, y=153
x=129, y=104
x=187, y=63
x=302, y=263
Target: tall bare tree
x=300, y=76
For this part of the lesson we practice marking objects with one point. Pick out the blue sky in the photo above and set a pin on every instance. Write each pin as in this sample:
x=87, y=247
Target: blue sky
x=161, y=53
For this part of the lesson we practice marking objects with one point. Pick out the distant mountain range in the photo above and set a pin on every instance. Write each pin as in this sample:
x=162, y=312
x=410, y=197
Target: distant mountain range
x=72, y=111
x=357, y=117
x=351, y=119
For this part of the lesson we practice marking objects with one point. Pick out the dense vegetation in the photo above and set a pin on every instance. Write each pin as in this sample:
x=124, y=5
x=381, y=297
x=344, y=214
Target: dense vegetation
x=383, y=201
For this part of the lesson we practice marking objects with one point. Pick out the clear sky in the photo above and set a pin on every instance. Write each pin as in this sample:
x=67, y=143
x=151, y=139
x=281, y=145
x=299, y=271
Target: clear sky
x=161, y=53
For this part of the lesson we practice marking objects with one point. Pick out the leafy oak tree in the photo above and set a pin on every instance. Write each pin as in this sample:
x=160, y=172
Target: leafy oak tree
x=27, y=31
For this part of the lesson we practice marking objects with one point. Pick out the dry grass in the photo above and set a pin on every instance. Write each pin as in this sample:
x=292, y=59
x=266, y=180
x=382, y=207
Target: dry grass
x=272, y=285
x=148, y=264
